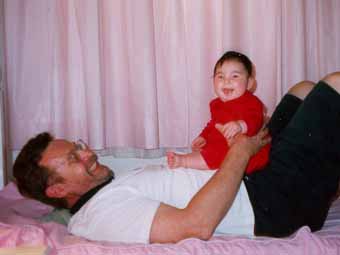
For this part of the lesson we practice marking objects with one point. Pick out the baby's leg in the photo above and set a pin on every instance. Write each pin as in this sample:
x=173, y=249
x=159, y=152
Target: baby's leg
x=190, y=160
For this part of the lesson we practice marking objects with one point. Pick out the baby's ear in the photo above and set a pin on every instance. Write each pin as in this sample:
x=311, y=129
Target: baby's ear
x=252, y=84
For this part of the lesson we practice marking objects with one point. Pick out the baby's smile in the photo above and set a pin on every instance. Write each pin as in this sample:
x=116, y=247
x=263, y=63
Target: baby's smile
x=227, y=91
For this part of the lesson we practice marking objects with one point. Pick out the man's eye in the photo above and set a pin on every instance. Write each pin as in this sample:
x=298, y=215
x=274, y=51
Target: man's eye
x=72, y=158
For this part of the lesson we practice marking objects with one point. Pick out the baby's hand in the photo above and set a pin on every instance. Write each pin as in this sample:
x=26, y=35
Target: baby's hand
x=198, y=143
x=230, y=129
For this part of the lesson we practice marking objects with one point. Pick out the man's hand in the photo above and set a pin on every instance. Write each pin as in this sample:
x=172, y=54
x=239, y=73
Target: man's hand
x=251, y=144
x=198, y=143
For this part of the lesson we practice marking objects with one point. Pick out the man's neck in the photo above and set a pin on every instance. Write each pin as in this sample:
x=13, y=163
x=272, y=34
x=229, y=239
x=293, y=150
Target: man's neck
x=79, y=201
x=71, y=200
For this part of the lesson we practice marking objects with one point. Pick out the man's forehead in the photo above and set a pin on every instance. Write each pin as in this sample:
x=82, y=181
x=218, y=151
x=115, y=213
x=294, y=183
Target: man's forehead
x=56, y=150
x=59, y=145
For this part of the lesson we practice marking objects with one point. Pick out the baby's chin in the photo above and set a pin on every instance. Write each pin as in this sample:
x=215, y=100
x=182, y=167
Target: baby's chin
x=225, y=98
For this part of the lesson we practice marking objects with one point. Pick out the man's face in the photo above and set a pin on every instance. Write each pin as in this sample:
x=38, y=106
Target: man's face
x=76, y=164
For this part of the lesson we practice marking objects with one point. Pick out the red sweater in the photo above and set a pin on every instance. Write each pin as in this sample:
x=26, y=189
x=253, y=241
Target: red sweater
x=247, y=108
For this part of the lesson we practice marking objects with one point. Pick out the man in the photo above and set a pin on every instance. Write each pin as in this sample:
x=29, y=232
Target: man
x=295, y=188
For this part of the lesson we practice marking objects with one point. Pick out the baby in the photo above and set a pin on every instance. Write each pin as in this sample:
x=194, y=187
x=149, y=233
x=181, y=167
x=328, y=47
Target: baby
x=234, y=111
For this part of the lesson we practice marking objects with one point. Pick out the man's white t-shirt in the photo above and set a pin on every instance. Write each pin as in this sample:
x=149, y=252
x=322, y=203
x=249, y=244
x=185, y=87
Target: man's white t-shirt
x=124, y=209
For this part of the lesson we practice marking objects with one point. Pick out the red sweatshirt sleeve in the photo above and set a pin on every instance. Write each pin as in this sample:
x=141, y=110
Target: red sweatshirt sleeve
x=253, y=115
x=211, y=124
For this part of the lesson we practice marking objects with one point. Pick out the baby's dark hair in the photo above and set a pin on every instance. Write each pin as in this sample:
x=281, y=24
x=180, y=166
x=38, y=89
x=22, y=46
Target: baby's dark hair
x=237, y=56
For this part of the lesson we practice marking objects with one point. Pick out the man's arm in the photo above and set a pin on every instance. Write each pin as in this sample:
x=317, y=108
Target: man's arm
x=211, y=203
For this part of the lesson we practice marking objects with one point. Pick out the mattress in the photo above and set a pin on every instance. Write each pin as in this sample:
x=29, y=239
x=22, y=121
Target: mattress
x=23, y=226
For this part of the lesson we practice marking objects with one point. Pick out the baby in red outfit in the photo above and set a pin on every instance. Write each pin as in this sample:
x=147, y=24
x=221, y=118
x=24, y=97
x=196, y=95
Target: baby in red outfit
x=234, y=111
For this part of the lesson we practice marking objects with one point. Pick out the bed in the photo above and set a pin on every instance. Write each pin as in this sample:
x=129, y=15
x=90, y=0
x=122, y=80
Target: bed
x=29, y=227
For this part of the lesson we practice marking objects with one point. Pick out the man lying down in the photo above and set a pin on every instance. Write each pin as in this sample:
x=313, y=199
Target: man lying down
x=156, y=204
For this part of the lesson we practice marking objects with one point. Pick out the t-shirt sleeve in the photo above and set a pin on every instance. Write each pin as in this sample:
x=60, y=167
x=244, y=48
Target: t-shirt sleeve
x=121, y=215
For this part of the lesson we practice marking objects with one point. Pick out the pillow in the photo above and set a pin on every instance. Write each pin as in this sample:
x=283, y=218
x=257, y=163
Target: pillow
x=61, y=216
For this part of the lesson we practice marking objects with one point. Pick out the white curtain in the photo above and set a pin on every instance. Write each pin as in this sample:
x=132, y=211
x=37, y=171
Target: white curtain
x=137, y=74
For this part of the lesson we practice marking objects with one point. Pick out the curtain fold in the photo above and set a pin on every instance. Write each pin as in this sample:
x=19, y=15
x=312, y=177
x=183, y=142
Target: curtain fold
x=135, y=75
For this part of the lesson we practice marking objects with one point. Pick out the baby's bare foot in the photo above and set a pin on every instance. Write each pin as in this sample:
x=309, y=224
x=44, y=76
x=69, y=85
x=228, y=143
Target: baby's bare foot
x=174, y=160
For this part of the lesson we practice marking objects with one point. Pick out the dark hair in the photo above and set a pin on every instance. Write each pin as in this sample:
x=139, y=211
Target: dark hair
x=237, y=56
x=32, y=178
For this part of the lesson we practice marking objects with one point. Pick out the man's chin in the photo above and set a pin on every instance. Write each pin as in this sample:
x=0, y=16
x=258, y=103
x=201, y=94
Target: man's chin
x=107, y=173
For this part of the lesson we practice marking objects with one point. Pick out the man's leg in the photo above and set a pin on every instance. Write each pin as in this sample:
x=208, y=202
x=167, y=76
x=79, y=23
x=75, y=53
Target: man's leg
x=301, y=89
x=310, y=154
x=260, y=183
x=333, y=80
x=288, y=106
x=303, y=173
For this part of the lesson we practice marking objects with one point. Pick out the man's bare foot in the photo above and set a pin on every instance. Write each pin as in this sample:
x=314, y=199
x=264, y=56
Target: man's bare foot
x=175, y=160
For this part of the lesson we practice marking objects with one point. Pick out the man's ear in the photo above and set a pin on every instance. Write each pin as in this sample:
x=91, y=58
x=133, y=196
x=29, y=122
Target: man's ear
x=56, y=190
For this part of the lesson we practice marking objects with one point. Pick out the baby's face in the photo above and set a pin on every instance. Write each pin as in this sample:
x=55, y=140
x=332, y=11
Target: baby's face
x=230, y=80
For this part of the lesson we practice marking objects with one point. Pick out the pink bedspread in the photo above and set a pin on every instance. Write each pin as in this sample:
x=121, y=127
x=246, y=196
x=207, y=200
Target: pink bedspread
x=20, y=226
